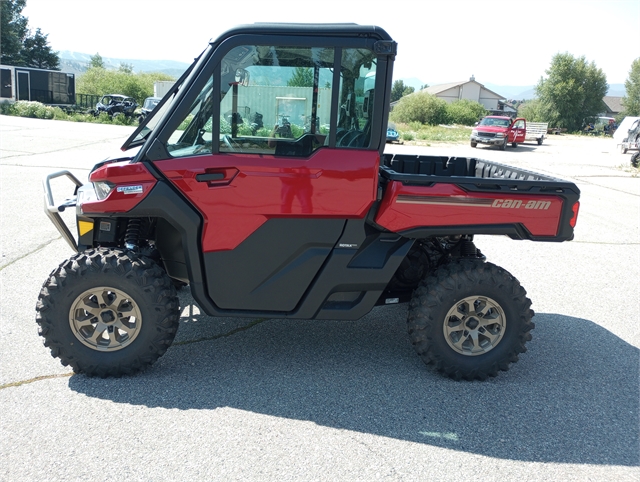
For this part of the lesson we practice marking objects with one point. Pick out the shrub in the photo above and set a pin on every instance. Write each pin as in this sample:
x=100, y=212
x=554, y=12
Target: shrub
x=99, y=81
x=465, y=112
x=533, y=111
x=421, y=107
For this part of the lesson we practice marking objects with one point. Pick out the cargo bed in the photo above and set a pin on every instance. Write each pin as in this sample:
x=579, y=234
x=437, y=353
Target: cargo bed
x=473, y=196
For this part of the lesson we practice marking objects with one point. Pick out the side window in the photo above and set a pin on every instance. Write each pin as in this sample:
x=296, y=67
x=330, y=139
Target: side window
x=357, y=87
x=193, y=136
x=275, y=99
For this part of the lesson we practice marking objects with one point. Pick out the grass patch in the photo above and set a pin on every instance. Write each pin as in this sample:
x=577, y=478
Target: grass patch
x=427, y=133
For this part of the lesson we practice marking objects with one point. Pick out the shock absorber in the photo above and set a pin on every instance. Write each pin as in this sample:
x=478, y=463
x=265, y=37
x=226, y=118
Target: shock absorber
x=132, y=235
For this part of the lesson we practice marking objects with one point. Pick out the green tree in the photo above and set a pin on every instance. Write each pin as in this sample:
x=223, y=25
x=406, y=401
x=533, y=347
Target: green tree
x=99, y=81
x=37, y=53
x=96, y=61
x=631, y=102
x=126, y=68
x=17, y=46
x=302, y=77
x=533, y=111
x=399, y=90
x=13, y=31
x=420, y=107
x=572, y=92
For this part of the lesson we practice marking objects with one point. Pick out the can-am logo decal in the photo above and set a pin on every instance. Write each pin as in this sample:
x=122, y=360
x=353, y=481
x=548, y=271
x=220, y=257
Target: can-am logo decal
x=475, y=202
x=130, y=189
x=517, y=204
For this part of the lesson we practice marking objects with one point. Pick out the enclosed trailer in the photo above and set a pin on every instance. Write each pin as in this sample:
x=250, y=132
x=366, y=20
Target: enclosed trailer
x=50, y=87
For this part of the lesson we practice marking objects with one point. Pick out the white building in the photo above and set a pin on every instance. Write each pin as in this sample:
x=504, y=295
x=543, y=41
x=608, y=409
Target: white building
x=468, y=89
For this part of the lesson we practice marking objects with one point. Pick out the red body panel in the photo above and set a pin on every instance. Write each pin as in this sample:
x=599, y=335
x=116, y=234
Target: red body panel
x=249, y=189
x=122, y=174
x=406, y=207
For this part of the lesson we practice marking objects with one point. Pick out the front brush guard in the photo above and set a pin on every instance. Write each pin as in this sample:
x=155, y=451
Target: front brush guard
x=53, y=211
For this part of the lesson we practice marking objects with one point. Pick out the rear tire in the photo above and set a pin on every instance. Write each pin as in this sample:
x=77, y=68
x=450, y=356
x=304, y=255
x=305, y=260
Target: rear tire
x=107, y=312
x=540, y=141
x=470, y=320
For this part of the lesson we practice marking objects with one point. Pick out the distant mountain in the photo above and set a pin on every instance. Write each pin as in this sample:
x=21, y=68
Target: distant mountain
x=617, y=90
x=77, y=62
x=518, y=92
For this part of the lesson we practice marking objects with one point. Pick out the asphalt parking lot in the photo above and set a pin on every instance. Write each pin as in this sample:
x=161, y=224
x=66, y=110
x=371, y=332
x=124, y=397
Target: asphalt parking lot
x=325, y=400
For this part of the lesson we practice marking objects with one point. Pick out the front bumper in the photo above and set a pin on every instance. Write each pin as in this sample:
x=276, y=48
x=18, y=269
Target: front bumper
x=496, y=141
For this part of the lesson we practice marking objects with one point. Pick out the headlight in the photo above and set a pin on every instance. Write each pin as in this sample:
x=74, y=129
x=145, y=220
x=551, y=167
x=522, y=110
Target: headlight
x=499, y=134
x=474, y=132
x=103, y=188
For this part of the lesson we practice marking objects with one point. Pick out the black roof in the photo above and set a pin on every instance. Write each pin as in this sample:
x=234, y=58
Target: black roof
x=307, y=29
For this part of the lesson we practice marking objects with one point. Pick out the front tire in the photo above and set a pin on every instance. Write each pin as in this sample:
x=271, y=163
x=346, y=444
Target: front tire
x=107, y=312
x=635, y=159
x=503, y=146
x=470, y=319
x=474, y=144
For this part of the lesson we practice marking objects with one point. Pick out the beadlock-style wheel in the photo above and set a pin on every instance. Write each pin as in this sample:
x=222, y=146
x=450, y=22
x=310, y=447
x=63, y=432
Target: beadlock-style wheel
x=474, y=326
x=108, y=312
x=105, y=319
x=470, y=319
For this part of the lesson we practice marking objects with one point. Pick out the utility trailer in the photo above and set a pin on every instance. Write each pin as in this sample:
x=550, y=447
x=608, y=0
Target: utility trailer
x=49, y=87
x=536, y=131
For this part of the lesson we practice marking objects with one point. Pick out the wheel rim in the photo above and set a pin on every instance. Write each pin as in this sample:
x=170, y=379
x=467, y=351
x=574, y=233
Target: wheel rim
x=474, y=326
x=105, y=319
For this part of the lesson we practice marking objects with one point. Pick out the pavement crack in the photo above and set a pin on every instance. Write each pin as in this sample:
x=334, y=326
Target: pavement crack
x=38, y=248
x=35, y=379
x=221, y=335
x=186, y=342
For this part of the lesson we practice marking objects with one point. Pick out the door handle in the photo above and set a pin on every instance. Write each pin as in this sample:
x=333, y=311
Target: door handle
x=210, y=176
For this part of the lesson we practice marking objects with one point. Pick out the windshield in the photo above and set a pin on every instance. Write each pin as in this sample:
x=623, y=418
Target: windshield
x=151, y=103
x=492, y=121
x=152, y=120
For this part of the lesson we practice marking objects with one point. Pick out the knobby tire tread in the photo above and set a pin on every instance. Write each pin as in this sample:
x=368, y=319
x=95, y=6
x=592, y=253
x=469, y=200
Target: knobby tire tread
x=160, y=298
x=435, y=296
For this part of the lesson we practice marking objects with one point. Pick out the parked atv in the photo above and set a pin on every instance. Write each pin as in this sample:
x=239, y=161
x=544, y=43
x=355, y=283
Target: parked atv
x=116, y=104
x=311, y=223
x=148, y=105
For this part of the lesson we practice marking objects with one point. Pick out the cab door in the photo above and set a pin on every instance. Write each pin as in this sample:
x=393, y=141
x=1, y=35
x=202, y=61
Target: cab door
x=260, y=154
x=518, y=131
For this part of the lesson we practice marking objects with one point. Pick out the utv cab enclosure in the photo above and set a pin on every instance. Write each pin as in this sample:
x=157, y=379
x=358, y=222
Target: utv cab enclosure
x=304, y=218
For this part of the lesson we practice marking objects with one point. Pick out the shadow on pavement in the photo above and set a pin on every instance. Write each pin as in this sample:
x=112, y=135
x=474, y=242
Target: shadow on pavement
x=573, y=398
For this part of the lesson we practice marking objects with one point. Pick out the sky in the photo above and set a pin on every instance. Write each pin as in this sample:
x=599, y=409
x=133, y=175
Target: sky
x=500, y=42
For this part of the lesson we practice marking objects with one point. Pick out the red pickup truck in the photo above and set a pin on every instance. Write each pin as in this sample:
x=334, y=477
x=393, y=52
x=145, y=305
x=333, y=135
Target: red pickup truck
x=499, y=131
x=319, y=223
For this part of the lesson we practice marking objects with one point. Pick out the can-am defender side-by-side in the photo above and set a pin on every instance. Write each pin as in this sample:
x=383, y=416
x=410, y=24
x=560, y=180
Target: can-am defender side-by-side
x=319, y=223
